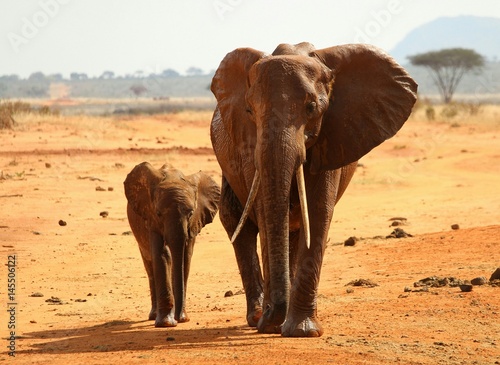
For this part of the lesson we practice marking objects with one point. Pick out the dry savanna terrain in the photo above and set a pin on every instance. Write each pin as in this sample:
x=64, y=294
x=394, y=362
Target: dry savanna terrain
x=81, y=292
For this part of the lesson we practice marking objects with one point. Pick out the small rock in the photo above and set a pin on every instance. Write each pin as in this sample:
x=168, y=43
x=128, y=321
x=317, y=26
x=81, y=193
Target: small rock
x=104, y=213
x=229, y=293
x=110, y=188
x=351, y=241
x=465, y=287
x=363, y=282
x=349, y=290
x=407, y=289
x=36, y=295
x=80, y=300
x=54, y=300
x=99, y=188
x=48, y=165
x=62, y=223
x=399, y=233
x=479, y=281
x=32, y=321
x=455, y=227
x=89, y=294
x=495, y=275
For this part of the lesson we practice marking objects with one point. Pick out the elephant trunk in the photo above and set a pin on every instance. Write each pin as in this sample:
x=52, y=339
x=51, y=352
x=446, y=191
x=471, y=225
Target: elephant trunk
x=177, y=243
x=277, y=163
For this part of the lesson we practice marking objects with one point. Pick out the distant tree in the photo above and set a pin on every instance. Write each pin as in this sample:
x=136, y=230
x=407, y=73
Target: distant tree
x=138, y=90
x=107, y=75
x=194, y=71
x=169, y=73
x=78, y=76
x=37, y=76
x=12, y=77
x=55, y=77
x=448, y=66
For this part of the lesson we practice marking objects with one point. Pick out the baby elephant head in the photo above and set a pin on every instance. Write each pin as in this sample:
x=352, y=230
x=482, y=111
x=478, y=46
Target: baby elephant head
x=166, y=211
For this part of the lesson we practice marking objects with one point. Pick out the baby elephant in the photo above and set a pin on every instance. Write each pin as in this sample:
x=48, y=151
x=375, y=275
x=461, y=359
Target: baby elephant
x=166, y=210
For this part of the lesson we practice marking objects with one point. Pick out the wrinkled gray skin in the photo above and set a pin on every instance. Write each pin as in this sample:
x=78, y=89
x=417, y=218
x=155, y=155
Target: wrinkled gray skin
x=166, y=211
x=321, y=110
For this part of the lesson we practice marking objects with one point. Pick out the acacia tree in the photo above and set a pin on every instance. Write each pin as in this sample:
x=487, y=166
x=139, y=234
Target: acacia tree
x=447, y=67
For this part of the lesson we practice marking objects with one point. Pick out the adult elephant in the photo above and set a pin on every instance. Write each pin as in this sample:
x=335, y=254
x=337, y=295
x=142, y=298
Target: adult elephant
x=166, y=211
x=287, y=131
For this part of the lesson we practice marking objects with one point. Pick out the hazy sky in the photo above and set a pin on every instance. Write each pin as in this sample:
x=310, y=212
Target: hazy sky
x=91, y=36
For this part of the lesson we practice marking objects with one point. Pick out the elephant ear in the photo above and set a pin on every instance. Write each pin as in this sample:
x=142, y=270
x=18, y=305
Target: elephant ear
x=207, y=204
x=140, y=185
x=229, y=85
x=371, y=98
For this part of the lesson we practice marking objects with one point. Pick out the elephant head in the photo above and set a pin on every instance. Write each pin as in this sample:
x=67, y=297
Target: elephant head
x=303, y=111
x=166, y=212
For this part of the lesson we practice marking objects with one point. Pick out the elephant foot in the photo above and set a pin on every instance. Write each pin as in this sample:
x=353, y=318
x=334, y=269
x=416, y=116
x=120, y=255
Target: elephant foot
x=307, y=327
x=272, y=319
x=183, y=317
x=254, y=316
x=165, y=321
x=254, y=311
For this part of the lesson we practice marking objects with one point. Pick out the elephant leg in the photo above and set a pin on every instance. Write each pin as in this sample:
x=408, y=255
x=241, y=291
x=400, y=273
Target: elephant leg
x=245, y=248
x=162, y=270
x=181, y=315
x=148, y=265
x=301, y=319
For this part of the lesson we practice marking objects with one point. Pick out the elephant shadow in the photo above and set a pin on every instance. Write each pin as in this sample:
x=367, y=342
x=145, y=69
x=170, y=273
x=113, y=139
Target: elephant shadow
x=118, y=336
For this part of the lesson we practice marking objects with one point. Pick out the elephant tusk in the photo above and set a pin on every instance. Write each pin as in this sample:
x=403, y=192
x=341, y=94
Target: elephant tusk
x=246, y=210
x=301, y=185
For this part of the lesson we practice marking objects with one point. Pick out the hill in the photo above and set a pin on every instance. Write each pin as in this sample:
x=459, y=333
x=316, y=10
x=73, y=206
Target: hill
x=478, y=33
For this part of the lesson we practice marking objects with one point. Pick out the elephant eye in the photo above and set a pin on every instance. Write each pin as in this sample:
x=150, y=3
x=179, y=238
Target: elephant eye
x=158, y=213
x=311, y=107
x=249, y=110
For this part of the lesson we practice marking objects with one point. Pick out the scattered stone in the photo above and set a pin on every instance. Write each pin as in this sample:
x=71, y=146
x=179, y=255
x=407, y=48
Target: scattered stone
x=62, y=223
x=438, y=282
x=495, y=275
x=349, y=290
x=89, y=294
x=397, y=223
x=481, y=280
x=351, y=241
x=407, y=289
x=465, y=287
x=36, y=233
x=48, y=165
x=363, y=282
x=399, y=233
x=126, y=233
x=495, y=283
x=110, y=188
x=402, y=219
x=455, y=227
x=32, y=321
x=119, y=165
x=229, y=293
x=99, y=188
x=80, y=300
x=54, y=300
x=36, y=295
x=104, y=213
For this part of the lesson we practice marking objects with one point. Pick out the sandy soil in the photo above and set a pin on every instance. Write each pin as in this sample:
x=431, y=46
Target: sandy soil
x=95, y=294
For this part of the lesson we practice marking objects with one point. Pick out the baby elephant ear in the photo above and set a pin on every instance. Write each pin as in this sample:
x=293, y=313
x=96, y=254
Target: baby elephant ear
x=371, y=98
x=207, y=204
x=139, y=189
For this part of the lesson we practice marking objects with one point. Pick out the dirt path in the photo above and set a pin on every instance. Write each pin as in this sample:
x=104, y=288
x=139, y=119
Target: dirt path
x=95, y=295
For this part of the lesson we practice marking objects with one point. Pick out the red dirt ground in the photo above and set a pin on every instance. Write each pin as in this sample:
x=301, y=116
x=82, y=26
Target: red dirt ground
x=434, y=175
